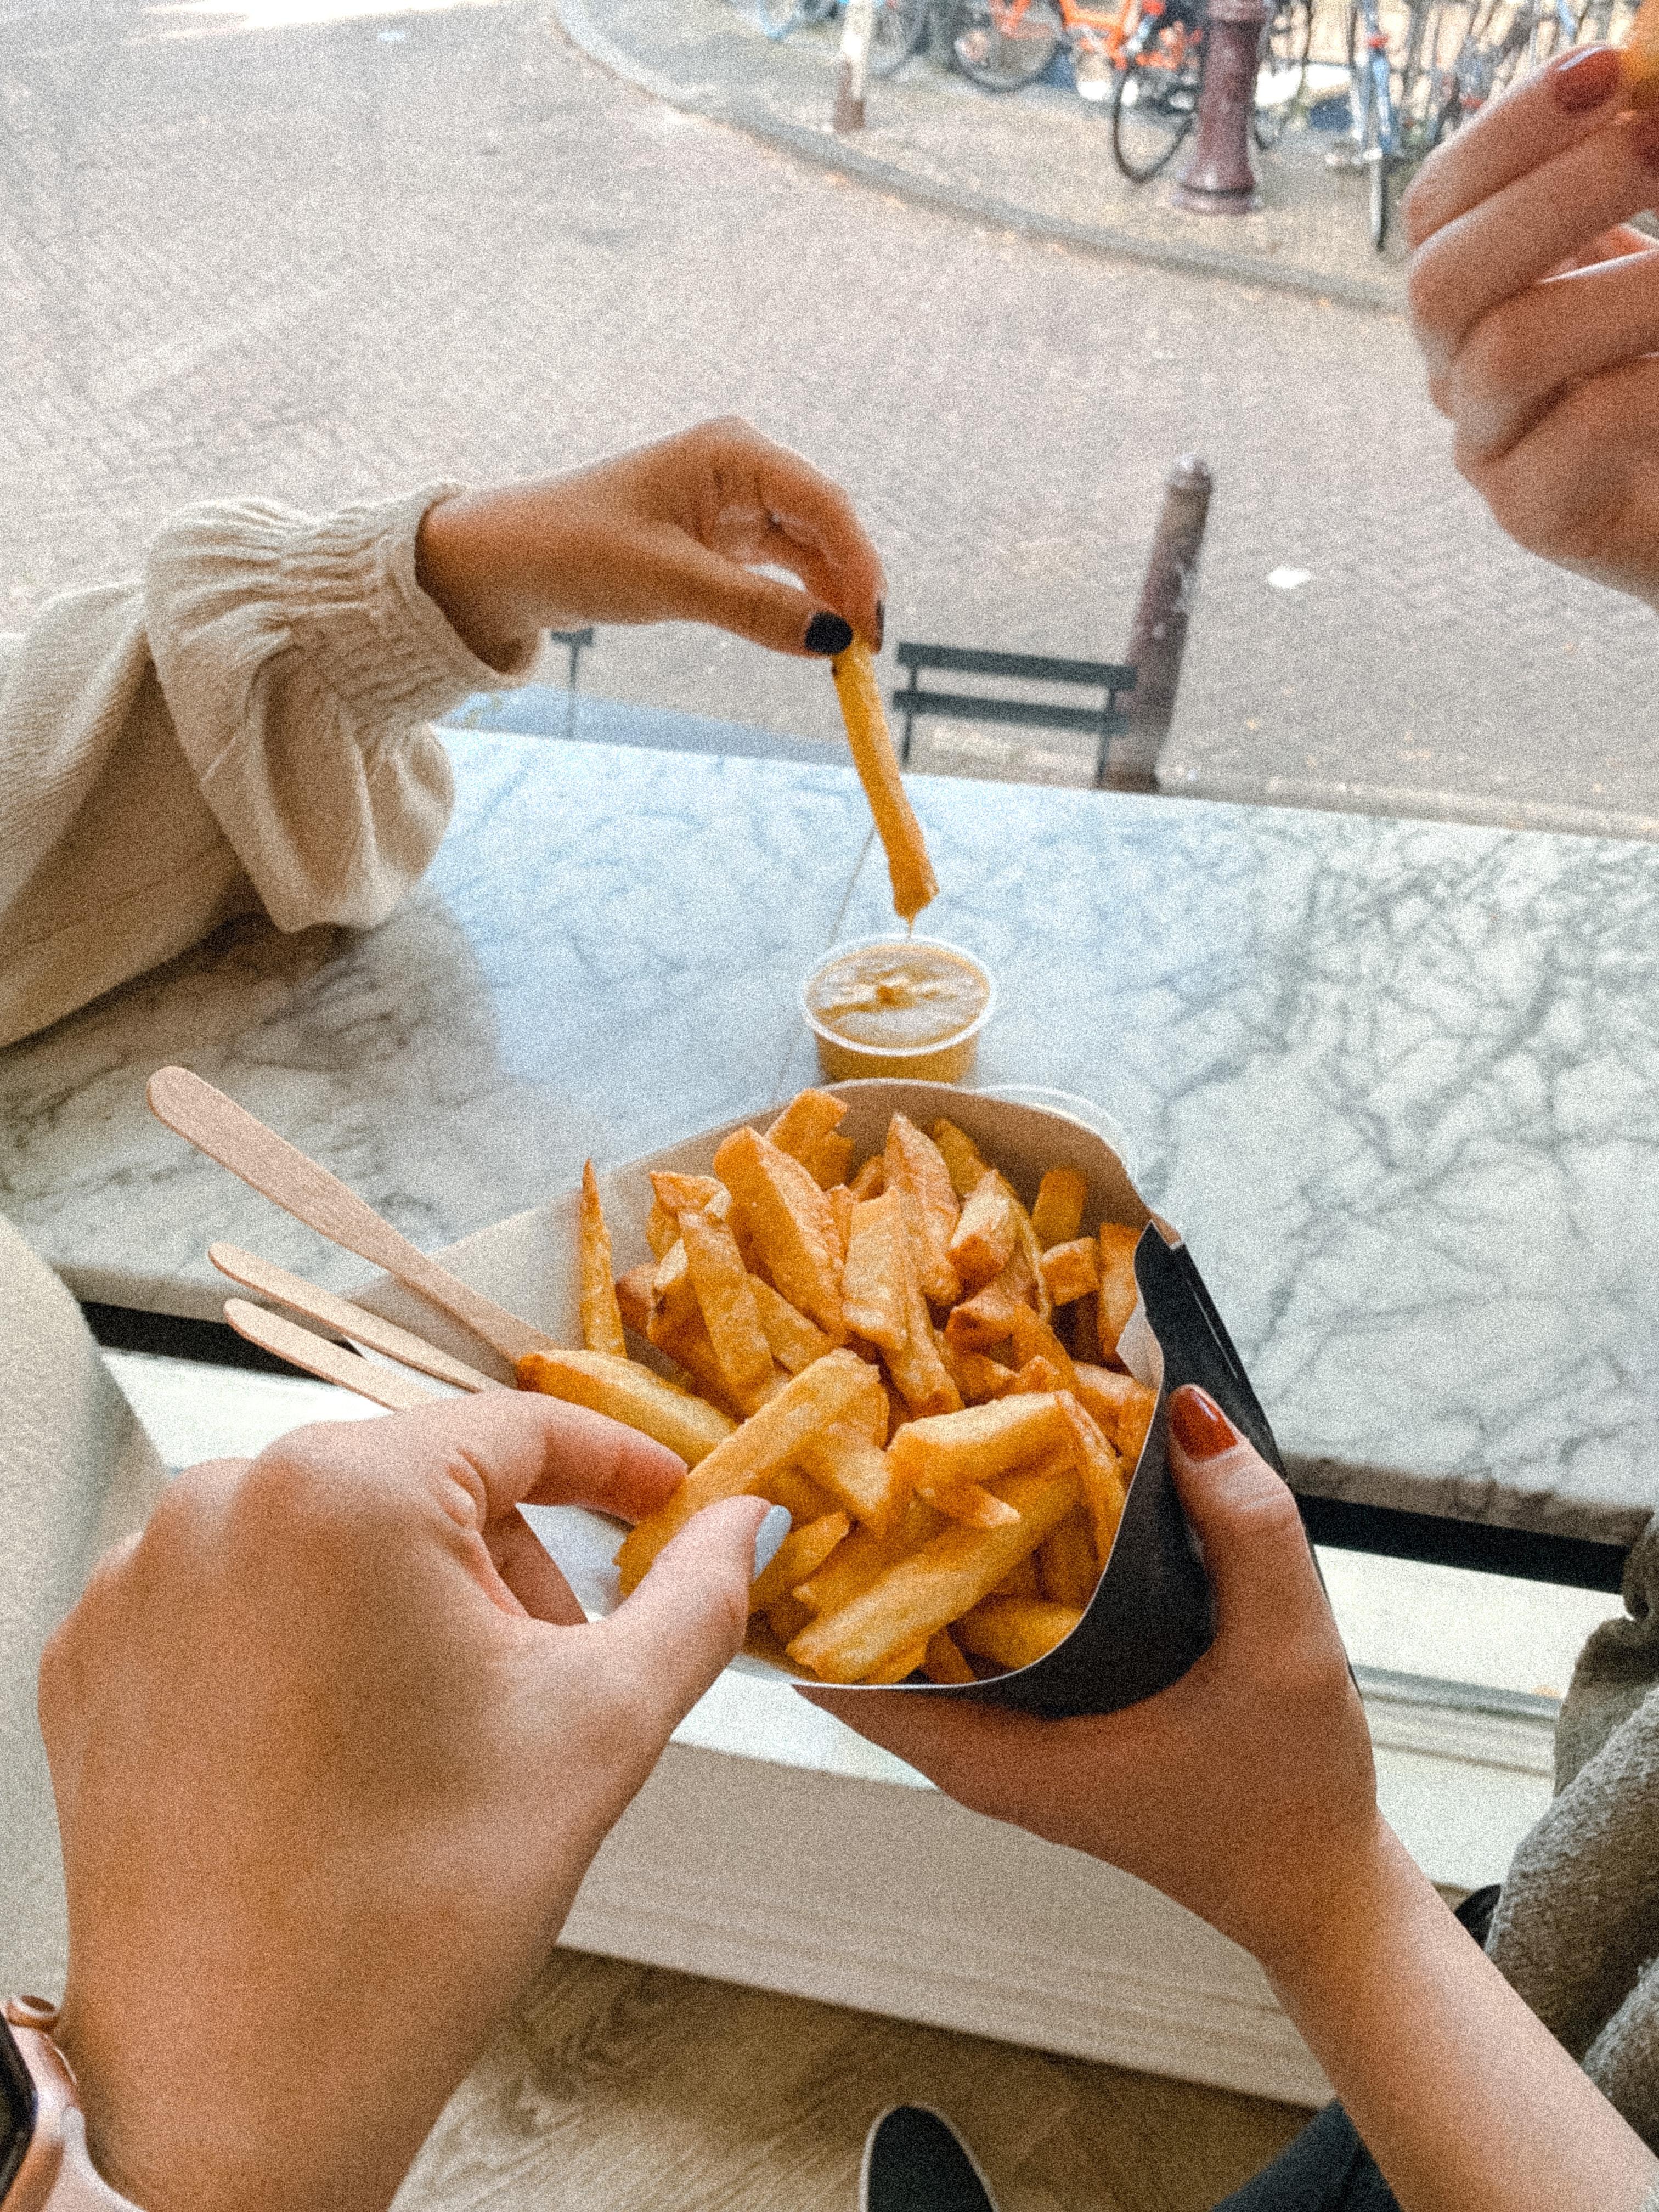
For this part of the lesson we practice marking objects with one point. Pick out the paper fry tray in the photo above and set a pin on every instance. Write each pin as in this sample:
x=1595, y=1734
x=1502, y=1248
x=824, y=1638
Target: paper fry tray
x=1149, y=1617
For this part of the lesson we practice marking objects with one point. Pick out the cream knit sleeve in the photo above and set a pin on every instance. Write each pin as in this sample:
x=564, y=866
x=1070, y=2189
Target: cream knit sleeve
x=244, y=728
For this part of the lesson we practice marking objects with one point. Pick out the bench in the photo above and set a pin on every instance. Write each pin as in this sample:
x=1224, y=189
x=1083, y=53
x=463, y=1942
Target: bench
x=1104, y=722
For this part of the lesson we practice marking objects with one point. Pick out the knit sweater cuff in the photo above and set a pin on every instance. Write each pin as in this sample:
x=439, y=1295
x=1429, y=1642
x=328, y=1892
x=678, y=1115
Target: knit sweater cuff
x=347, y=589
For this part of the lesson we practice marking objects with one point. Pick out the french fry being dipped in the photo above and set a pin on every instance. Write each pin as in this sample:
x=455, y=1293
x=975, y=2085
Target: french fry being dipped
x=915, y=884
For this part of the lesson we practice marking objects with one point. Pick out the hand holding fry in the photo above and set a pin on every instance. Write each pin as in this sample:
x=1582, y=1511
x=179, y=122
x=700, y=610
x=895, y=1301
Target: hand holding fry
x=1537, y=305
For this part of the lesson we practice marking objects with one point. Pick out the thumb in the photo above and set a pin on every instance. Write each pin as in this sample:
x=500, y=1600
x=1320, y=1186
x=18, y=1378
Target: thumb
x=688, y=1617
x=1257, y=1551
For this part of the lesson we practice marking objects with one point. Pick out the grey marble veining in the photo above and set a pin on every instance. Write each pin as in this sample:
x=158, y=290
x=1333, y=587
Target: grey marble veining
x=1399, y=1083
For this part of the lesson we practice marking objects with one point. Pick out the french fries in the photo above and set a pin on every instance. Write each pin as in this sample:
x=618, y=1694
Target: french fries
x=900, y=1355
x=915, y=884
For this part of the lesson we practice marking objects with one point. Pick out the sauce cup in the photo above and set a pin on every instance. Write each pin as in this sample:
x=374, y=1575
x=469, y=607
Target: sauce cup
x=939, y=1059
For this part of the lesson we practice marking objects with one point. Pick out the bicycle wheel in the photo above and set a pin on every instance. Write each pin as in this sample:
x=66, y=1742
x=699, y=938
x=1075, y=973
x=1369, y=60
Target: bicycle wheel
x=1002, y=44
x=1155, y=100
x=1281, y=69
x=901, y=27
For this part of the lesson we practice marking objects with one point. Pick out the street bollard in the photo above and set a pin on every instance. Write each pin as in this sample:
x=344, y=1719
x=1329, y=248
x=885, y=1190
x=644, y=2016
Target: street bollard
x=856, y=35
x=1159, y=636
x=1219, y=179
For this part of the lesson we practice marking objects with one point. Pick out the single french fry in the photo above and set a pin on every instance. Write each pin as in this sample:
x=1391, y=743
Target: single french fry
x=673, y=1299
x=1118, y=1290
x=873, y=1281
x=727, y=1304
x=980, y=1442
x=916, y=1169
x=1123, y=1408
x=970, y=1503
x=1072, y=1270
x=1022, y=1580
x=1101, y=1473
x=941, y=1660
x=786, y=1618
x=633, y=1298
x=1016, y=1631
x=1035, y=1339
x=920, y=1593
x=800, y=1498
x=976, y=1374
x=916, y=1366
x=679, y=1193
x=841, y=1202
x=961, y=1156
x=796, y=1342
x=986, y=1233
x=662, y=1231
x=790, y=1223
x=1640, y=58
x=871, y=1180
x=806, y=1130
x=601, y=1316
x=831, y=1390
x=987, y=1318
x=1067, y=1568
x=854, y=1565
x=901, y=1664
x=682, y=1333
x=1058, y=1214
x=629, y=1394
x=1032, y=1250
x=857, y=1474
x=907, y=865
x=800, y=1553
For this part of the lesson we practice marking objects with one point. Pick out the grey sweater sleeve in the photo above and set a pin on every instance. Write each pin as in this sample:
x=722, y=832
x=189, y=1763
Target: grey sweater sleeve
x=1577, y=1928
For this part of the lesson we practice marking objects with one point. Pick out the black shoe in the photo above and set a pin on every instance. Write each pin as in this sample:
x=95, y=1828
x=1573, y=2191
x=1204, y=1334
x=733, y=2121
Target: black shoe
x=915, y=2162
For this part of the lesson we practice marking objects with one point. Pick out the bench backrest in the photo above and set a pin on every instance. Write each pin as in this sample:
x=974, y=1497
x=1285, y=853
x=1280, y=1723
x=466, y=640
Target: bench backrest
x=1104, y=721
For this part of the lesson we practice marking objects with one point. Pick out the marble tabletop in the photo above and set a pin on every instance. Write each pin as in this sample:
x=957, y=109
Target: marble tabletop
x=1397, y=1082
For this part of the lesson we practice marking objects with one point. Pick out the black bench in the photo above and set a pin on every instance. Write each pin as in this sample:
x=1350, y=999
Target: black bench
x=1104, y=722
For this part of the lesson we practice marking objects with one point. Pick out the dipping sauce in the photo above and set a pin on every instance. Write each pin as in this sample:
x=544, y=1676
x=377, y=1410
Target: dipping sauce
x=898, y=1006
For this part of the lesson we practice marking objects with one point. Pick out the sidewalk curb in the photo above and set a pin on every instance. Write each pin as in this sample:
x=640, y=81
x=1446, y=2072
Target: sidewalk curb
x=828, y=152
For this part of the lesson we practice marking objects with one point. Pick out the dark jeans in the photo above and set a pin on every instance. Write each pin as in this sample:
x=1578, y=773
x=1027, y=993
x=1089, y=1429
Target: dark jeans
x=1328, y=2168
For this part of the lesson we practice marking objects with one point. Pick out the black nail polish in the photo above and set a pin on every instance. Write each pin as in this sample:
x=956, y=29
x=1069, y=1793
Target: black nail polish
x=881, y=623
x=827, y=633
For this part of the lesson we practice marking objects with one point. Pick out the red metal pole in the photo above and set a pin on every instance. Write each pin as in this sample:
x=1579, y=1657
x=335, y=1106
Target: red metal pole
x=1219, y=179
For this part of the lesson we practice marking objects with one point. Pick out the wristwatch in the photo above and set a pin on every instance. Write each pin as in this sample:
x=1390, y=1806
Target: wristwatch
x=44, y=2166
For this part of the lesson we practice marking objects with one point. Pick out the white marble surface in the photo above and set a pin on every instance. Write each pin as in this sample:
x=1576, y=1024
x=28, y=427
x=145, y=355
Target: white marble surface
x=1398, y=1082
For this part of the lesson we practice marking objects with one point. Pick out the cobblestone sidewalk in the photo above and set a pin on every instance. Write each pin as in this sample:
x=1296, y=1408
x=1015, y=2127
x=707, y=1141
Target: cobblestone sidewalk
x=1039, y=162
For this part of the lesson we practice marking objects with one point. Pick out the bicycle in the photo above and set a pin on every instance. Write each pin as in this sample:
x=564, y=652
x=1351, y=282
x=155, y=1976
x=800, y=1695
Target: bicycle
x=1161, y=78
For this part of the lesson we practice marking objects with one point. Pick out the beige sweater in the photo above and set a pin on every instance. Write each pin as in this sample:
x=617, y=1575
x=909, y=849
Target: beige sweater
x=246, y=727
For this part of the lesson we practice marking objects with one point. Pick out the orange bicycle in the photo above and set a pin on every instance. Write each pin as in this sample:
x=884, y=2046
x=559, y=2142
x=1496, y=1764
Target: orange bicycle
x=1005, y=44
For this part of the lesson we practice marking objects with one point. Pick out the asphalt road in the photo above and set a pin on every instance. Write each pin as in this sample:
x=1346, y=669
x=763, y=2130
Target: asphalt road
x=243, y=251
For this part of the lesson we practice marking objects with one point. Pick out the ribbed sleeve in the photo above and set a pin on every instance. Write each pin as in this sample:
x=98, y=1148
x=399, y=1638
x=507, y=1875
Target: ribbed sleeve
x=248, y=726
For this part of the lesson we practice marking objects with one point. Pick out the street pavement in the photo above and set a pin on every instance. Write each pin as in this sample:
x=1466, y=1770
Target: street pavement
x=261, y=246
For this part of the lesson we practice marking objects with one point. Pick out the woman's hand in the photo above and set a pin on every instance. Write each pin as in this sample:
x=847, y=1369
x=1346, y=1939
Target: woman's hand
x=1197, y=1790
x=675, y=531
x=1538, y=309
x=332, y=1749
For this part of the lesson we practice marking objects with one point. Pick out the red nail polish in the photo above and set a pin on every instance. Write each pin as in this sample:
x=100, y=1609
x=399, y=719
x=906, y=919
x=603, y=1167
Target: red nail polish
x=1201, y=1429
x=1585, y=78
x=1641, y=140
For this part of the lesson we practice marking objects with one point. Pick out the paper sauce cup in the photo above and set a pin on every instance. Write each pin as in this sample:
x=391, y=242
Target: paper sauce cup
x=942, y=1060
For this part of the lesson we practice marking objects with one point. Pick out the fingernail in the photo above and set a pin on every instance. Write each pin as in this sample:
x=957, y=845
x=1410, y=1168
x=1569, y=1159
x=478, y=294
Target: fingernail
x=827, y=633
x=1201, y=1429
x=1641, y=140
x=881, y=623
x=1584, y=78
x=772, y=1532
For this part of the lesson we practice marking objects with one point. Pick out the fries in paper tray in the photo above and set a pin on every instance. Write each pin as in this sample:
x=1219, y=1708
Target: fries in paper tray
x=939, y=1327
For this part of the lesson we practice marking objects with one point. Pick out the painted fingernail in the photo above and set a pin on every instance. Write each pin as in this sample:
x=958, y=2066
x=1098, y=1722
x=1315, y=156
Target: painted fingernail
x=773, y=1530
x=881, y=623
x=1641, y=140
x=827, y=633
x=1584, y=78
x=1201, y=1429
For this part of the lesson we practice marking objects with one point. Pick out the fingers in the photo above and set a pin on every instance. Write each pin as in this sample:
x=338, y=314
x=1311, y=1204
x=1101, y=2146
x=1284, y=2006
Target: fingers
x=1557, y=108
x=687, y=1618
x=1262, y=1577
x=1516, y=362
x=709, y=587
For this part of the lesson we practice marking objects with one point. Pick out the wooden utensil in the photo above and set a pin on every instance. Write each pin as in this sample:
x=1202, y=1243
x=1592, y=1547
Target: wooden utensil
x=329, y=1363
x=227, y=1132
x=346, y=1320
